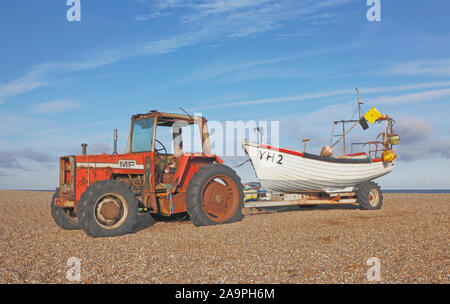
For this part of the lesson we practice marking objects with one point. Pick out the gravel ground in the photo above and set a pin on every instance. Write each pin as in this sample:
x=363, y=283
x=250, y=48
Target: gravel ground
x=323, y=244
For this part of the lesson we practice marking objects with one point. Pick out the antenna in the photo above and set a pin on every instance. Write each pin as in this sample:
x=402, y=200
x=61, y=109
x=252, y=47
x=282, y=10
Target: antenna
x=186, y=112
x=359, y=104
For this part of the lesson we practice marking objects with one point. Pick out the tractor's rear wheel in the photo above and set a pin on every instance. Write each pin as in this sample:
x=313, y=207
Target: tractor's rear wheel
x=65, y=218
x=369, y=196
x=215, y=196
x=107, y=208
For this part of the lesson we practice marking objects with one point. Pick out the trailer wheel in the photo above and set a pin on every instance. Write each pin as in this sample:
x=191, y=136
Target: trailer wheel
x=215, y=196
x=107, y=208
x=369, y=196
x=64, y=217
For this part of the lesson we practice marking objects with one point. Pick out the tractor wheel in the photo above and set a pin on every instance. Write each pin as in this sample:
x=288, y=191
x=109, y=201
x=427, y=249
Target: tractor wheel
x=64, y=217
x=214, y=196
x=369, y=196
x=107, y=208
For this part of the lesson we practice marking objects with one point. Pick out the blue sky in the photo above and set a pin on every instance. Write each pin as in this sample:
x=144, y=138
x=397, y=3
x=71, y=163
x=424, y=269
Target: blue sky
x=298, y=62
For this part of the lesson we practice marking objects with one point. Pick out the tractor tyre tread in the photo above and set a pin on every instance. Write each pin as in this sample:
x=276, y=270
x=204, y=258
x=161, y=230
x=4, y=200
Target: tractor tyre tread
x=362, y=195
x=194, y=194
x=86, y=206
x=61, y=218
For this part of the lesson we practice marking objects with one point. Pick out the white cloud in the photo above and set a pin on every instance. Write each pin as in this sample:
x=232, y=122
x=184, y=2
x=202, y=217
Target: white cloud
x=412, y=129
x=412, y=97
x=402, y=99
x=418, y=139
x=221, y=6
x=29, y=82
x=264, y=73
x=314, y=124
x=166, y=4
x=290, y=98
x=152, y=16
x=439, y=67
x=10, y=158
x=428, y=148
x=57, y=106
x=14, y=124
x=406, y=87
x=207, y=21
x=214, y=19
x=441, y=148
x=38, y=75
x=229, y=70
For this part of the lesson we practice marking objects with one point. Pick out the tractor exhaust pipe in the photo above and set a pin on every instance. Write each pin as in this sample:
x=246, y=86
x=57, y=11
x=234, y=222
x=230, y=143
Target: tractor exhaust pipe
x=83, y=149
x=115, y=141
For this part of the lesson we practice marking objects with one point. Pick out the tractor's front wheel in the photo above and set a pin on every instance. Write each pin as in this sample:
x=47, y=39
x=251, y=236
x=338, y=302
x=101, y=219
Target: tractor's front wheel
x=107, y=208
x=214, y=196
x=64, y=217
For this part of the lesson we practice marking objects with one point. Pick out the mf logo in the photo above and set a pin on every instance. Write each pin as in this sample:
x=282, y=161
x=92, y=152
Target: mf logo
x=123, y=163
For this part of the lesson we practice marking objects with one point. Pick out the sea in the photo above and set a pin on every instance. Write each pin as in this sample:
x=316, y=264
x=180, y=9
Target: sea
x=417, y=191
x=384, y=190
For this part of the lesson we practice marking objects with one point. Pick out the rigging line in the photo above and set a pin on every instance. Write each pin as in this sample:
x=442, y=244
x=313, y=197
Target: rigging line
x=353, y=114
x=242, y=163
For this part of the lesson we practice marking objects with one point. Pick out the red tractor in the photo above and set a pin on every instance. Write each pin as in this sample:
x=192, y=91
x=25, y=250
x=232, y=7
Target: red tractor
x=103, y=194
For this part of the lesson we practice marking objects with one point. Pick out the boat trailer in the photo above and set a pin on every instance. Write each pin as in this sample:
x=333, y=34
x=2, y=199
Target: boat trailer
x=367, y=195
x=304, y=198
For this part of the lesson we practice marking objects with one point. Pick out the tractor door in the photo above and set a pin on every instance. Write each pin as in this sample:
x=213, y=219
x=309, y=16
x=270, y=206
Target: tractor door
x=169, y=148
x=142, y=140
x=166, y=163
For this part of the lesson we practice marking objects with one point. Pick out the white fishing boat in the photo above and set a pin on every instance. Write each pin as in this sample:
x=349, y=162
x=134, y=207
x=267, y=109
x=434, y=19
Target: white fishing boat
x=289, y=171
x=283, y=170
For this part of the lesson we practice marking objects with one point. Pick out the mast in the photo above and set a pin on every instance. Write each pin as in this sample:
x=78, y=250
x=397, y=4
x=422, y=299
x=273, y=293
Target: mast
x=359, y=105
x=344, y=132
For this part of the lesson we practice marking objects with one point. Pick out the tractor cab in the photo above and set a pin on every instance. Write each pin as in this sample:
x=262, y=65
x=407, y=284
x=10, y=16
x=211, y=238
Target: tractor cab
x=161, y=134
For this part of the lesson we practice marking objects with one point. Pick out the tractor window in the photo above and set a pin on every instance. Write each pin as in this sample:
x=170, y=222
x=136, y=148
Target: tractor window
x=142, y=135
x=192, y=141
x=165, y=137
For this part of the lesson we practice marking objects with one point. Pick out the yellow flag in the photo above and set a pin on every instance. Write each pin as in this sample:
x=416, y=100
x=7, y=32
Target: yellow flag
x=372, y=115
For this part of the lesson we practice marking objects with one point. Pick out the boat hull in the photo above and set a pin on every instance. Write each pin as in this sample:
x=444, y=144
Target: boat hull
x=282, y=170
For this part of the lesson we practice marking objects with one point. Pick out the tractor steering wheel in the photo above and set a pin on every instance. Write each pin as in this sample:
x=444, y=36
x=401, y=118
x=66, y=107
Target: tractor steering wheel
x=161, y=164
x=160, y=149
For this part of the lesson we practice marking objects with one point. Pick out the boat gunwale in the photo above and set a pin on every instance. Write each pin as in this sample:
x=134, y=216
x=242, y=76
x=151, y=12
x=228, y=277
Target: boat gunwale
x=320, y=158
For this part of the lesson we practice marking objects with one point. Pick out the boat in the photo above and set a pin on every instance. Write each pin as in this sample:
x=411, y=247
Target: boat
x=289, y=171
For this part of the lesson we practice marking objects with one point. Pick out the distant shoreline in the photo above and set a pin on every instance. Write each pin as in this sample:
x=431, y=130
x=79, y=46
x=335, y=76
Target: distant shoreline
x=417, y=191
x=383, y=190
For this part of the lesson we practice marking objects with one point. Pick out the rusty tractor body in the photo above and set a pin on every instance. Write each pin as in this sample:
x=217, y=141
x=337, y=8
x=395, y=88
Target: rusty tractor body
x=103, y=194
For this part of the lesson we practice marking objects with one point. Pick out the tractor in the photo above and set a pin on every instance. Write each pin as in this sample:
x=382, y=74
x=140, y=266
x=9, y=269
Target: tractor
x=105, y=194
